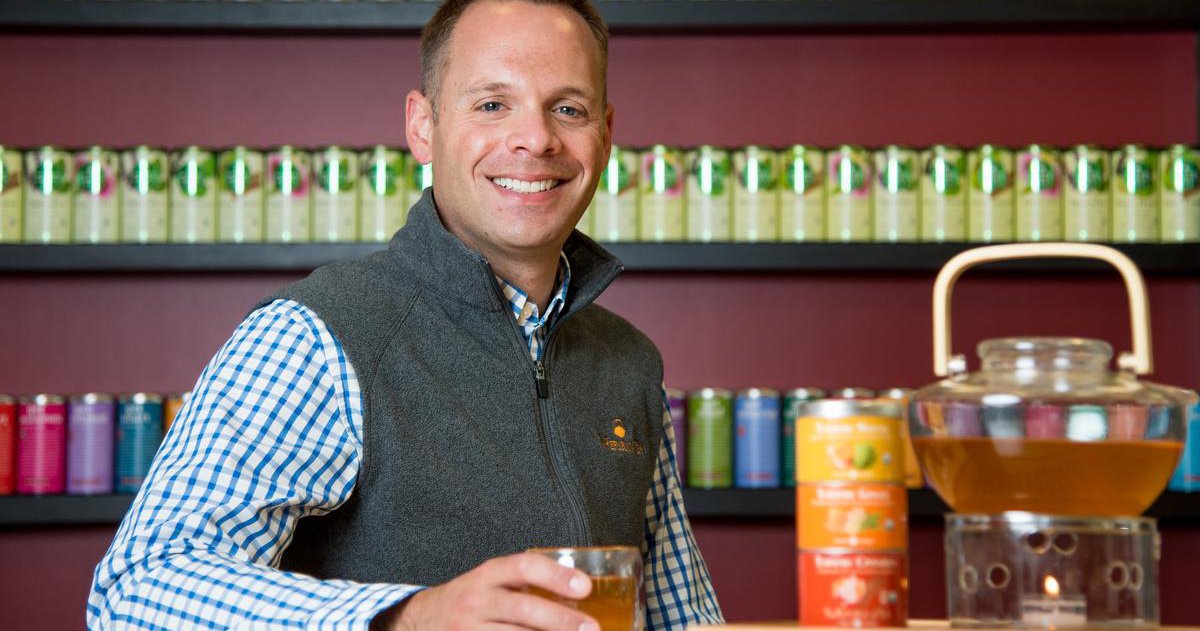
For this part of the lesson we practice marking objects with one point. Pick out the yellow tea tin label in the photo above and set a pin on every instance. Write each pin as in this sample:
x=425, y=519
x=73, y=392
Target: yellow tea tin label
x=615, y=207
x=990, y=205
x=850, y=173
x=1180, y=193
x=756, y=195
x=335, y=196
x=897, y=195
x=852, y=449
x=943, y=194
x=802, y=194
x=193, y=215
x=1039, y=199
x=709, y=195
x=382, y=198
x=49, y=173
x=662, y=196
x=1086, y=210
x=240, y=197
x=11, y=176
x=145, y=195
x=1135, y=196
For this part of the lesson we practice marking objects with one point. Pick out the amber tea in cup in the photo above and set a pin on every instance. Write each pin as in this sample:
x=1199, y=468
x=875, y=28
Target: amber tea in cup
x=617, y=589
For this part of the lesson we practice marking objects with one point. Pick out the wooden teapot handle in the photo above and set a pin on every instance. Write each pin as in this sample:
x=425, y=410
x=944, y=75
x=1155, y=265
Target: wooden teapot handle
x=1140, y=361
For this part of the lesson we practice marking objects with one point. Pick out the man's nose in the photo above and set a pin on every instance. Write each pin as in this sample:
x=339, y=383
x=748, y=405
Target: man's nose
x=533, y=132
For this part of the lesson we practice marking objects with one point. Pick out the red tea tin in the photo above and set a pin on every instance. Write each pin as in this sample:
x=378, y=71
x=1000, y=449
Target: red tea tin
x=853, y=589
x=41, y=444
x=8, y=443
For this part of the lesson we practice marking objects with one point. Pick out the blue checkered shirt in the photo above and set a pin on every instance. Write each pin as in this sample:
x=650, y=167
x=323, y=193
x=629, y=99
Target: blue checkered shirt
x=273, y=433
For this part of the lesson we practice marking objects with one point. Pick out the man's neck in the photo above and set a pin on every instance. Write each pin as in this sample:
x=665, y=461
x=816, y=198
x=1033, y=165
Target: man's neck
x=535, y=277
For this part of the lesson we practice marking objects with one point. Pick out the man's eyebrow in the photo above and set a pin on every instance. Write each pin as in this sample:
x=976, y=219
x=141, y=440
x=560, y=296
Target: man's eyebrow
x=500, y=87
x=495, y=86
x=577, y=92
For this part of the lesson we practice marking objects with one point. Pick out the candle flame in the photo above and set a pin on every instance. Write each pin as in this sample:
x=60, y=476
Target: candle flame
x=1051, y=585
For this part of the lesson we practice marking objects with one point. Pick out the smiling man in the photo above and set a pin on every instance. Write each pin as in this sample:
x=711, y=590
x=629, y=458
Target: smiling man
x=380, y=442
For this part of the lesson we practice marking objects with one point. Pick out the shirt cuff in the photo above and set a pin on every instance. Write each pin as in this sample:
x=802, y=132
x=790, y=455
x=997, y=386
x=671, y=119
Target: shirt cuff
x=356, y=606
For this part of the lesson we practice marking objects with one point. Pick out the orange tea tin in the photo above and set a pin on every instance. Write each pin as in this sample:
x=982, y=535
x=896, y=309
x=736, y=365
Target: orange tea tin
x=850, y=515
x=850, y=441
x=853, y=589
x=913, y=477
x=172, y=404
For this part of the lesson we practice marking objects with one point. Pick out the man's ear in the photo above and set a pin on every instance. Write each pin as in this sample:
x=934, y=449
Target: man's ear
x=608, y=131
x=418, y=126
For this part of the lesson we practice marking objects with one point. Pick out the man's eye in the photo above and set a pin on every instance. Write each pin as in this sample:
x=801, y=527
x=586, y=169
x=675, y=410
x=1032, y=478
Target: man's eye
x=490, y=106
x=567, y=110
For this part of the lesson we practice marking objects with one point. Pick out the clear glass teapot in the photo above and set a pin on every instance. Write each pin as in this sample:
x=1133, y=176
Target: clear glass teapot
x=1045, y=426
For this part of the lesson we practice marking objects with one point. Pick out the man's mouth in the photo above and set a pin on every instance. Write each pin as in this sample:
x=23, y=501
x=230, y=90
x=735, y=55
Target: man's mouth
x=524, y=186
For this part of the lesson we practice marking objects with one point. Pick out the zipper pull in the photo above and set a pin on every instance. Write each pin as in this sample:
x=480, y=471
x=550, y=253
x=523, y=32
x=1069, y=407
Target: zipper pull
x=543, y=384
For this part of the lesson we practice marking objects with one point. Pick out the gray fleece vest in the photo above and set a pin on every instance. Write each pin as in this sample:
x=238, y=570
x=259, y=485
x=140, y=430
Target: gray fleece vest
x=467, y=454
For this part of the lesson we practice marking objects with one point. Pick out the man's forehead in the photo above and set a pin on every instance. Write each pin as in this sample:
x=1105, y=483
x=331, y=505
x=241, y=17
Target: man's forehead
x=517, y=26
x=505, y=54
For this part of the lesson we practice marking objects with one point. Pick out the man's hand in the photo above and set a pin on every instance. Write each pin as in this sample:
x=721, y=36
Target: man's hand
x=491, y=597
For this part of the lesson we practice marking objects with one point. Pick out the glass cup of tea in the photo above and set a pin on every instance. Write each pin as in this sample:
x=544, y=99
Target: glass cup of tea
x=617, y=599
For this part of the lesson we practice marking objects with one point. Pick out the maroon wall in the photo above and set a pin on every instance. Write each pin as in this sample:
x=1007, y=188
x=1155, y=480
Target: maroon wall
x=154, y=332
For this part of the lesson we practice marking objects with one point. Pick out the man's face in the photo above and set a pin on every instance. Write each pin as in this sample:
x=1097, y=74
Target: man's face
x=522, y=130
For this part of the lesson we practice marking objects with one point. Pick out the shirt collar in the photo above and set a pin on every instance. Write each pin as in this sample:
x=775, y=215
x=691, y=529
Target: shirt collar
x=525, y=310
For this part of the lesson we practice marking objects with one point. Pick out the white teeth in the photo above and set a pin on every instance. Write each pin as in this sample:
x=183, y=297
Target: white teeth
x=521, y=186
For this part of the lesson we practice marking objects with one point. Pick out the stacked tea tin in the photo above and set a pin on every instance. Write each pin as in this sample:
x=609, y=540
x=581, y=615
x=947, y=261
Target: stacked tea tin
x=86, y=444
x=851, y=514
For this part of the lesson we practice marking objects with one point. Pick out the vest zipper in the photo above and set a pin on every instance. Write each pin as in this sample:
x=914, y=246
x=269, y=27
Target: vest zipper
x=543, y=382
x=556, y=470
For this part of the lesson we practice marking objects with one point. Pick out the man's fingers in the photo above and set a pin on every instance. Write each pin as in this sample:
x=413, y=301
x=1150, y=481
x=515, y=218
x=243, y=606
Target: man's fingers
x=518, y=571
x=528, y=611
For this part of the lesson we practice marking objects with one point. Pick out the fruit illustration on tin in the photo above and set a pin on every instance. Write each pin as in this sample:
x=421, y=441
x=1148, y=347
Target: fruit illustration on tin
x=800, y=177
x=287, y=177
x=661, y=174
x=1088, y=176
x=1135, y=176
x=1040, y=175
x=192, y=177
x=711, y=175
x=147, y=176
x=238, y=178
x=990, y=176
x=94, y=178
x=618, y=169
x=8, y=177
x=864, y=456
x=898, y=175
x=50, y=175
x=1184, y=176
x=757, y=175
x=848, y=175
x=850, y=589
x=945, y=175
x=852, y=456
x=383, y=177
x=853, y=521
x=336, y=179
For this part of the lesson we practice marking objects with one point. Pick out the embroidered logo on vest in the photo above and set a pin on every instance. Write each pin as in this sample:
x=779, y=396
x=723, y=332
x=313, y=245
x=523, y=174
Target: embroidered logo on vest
x=620, y=438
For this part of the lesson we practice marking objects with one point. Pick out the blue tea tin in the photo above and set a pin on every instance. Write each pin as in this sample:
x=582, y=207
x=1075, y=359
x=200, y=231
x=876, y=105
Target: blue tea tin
x=756, y=439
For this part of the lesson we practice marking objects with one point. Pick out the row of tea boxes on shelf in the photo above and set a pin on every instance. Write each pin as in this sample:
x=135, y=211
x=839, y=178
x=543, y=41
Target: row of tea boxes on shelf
x=99, y=443
x=755, y=437
x=658, y=194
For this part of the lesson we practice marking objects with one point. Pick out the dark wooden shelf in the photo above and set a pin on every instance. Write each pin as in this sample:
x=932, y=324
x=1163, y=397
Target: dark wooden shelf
x=924, y=505
x=374, y=16
x=1161, y=259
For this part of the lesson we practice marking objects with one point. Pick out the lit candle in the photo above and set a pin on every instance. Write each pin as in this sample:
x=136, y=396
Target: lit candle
x=1054, y=610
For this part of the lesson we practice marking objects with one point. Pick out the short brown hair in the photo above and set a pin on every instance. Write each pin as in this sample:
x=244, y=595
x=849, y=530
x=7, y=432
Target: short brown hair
x=436, y=35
